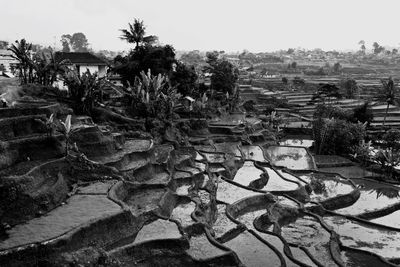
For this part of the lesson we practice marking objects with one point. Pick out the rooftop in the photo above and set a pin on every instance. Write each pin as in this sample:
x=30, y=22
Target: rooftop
x=80, y=58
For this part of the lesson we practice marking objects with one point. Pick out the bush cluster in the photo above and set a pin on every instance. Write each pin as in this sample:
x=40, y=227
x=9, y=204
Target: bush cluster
x=336, y=136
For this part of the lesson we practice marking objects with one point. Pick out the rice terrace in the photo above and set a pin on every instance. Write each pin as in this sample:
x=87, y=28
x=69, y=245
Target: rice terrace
x=163, y=134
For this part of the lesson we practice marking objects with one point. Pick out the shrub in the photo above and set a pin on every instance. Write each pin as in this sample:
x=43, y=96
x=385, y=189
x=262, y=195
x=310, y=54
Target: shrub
x=359, y=114
x=392, y=138
x=388, y=159
x=337, y=137
x=363, y=152
x=350, y=87
x=84, y=90
x=329, y=111
x=275, y=103
x=249, y=106
x=362, y=114
x=151, y=96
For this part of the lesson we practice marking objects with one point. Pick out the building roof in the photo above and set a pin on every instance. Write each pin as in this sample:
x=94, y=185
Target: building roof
x=83, y=58
x=5, y=53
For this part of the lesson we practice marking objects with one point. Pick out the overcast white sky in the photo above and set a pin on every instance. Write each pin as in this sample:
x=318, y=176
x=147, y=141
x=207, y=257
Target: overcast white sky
x=230, y=25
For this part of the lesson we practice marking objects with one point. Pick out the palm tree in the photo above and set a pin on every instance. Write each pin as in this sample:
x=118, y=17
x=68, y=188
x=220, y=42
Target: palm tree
x=57, y=66
x=388, y=95
x=47, y=67
x=22, y=52
x=136, y=34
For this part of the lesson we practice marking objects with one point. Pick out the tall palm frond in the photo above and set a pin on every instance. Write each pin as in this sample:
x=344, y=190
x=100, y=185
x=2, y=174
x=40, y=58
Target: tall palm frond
x=388, y=95
x=22, y=53
x=136, y=34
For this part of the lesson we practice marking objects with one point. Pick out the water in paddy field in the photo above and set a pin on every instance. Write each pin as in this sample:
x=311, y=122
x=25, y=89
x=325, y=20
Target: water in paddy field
x=277, y=183
x=392, y=220
x=381, y=241
x=247, y=173
x=373, y=196
x=297, y=142
x=295, y=158
x=327, y=186
x=253, y=153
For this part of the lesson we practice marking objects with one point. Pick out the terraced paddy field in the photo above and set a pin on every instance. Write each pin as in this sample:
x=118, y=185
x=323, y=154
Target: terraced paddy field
x=220, y=203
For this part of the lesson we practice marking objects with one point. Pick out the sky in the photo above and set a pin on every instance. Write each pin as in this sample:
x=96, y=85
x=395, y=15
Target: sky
x=229, y=25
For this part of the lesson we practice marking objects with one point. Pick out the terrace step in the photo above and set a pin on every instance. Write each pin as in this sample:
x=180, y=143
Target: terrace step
x=17, y=127
x=125, y=159
x=388, y=119
x=61, y=220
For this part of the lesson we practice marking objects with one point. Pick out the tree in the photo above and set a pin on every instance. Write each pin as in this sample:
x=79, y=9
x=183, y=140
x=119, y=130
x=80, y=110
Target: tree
x=159, y=59
x=294, y=64
x=22, y=53
x=184, y=78
x=388, y=94
x=362, y=43
x=394, y=51
x=65, y=40
x=193, y=58
x=377, y=48
x=290, y=51
x=223, y=74
x=136, y=34
x=78, y=42
x=337, y=67
x=350, y=86
x=3, y=44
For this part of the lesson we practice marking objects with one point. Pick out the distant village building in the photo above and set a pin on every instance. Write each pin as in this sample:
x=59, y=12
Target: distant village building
x=6, y=60
x=83, y=61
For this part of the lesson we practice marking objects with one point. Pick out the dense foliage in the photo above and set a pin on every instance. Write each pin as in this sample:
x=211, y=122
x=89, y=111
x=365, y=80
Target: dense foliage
x=136, y=34
x=152, y=96
x=41, y=68
x=84, y=91
x=337, y=137
x=184, y=78
x=338, y=131
x=159, y=59
x=350, y=87
x=223, y=74
x=359, y=114
x=76, y=42
x=326, y=92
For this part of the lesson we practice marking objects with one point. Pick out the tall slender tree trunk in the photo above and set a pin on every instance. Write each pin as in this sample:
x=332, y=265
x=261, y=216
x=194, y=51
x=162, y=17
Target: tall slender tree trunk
x=25, y=76
x=386, y=112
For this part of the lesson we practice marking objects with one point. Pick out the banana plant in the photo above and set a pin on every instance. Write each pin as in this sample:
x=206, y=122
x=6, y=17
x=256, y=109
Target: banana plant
x=204, y=100
x=50, y=125
x=66, y=130
x=388, y=158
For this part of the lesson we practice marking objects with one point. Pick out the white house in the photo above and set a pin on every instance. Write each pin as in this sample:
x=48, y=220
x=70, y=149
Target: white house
x=6, y=60
x=83, y=61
